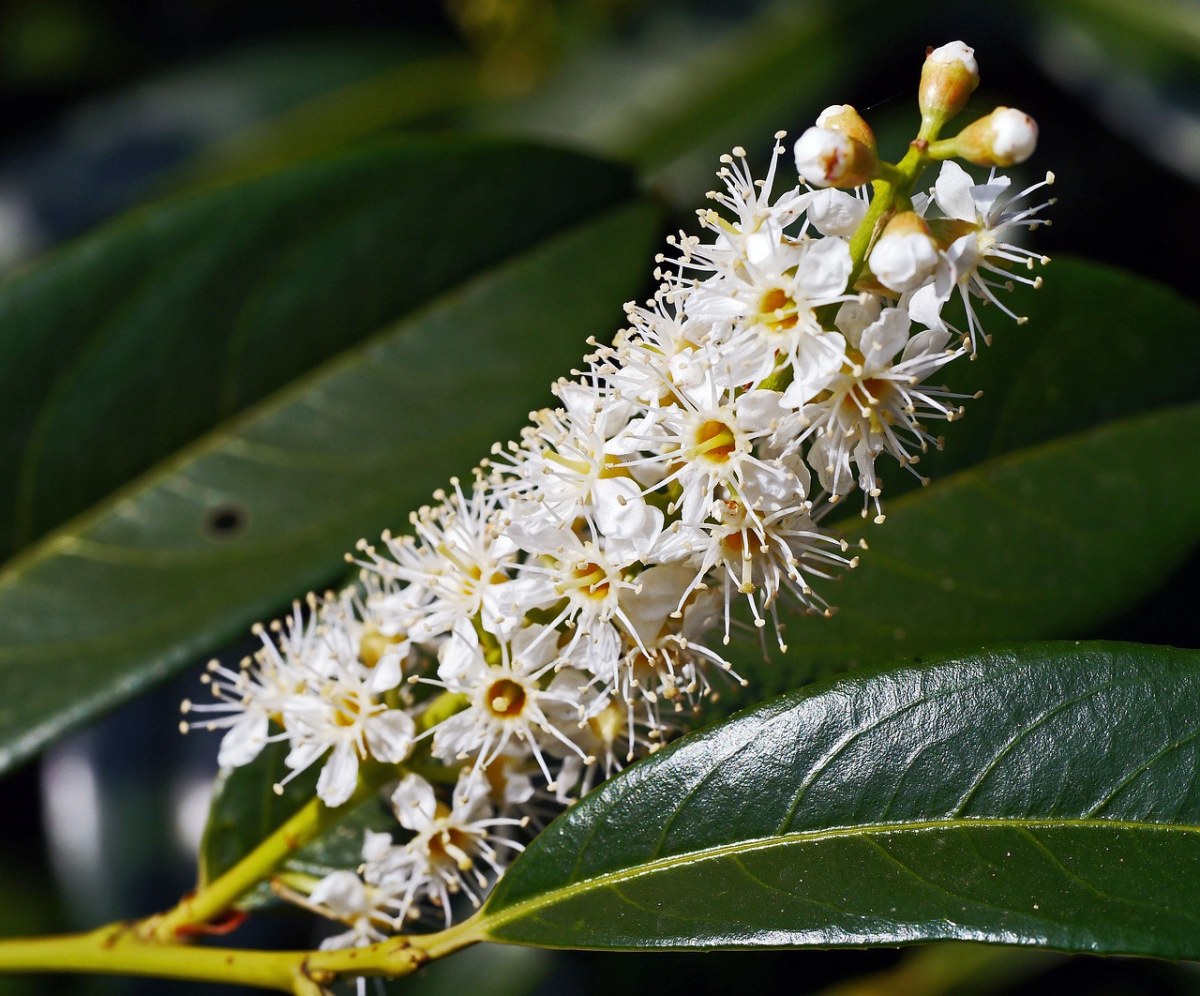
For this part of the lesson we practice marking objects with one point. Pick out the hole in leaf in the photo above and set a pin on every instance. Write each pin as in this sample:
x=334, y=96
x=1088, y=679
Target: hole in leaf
x=225, y=521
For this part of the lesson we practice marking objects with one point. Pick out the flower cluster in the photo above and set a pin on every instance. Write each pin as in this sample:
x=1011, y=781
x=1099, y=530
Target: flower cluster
x=568, y=608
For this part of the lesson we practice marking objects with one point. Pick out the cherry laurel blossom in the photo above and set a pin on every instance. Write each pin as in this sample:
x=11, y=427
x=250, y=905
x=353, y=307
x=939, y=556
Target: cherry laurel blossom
x=571, y=606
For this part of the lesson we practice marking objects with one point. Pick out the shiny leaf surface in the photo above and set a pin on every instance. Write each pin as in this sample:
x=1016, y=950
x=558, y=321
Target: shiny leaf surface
x=1043, y=794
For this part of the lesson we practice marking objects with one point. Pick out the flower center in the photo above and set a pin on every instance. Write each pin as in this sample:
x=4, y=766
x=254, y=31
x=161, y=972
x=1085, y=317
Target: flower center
x=714, y=441
x=346, y=711
x=868, y=400
x=589, y=579
x=743, y=544
x=777, y=310
x=450, y=844
x=506, y=698
x=374, y=645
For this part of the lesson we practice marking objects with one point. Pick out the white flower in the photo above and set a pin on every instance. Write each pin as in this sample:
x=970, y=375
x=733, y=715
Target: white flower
x=758, y=222
x=506, y=703
x=262, y=690
x=449, y=844
x=570, y=466
x=875, y=404
x=455, y=568
x=982, y=221
x=573, y=593
x=347, y=722
x=343, y=896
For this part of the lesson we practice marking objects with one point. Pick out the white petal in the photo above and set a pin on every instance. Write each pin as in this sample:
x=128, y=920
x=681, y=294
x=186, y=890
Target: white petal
x=759, y=410
x=885, y=338
x=459, y=658
x=390, y=735
x=953, y=192
x=661, y=588
x=244, y=741
x=816, y=366
x=339, y=776
x=823, y=269
x=835, y=212
x=414, y=803
x=621, y=511
x=341, y=892
x=925, y=307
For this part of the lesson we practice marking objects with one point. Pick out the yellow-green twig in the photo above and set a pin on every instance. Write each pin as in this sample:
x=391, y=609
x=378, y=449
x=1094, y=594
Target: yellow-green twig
x=123, y=949
x=217, y=897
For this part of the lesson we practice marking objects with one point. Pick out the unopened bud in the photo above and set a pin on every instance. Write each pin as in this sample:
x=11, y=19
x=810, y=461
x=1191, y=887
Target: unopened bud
x=906, y=256
x=948, y=78
x=826, y=157
x=844, y=118
x=1003, y=138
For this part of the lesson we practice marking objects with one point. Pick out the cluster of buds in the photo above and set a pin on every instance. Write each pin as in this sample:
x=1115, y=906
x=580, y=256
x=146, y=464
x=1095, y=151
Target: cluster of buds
x=566, y=610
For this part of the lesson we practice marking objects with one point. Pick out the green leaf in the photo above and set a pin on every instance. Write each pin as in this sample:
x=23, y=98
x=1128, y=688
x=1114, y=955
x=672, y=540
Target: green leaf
x=1044, y=794
x=686, y=85
x=418, y=297
x=1048, y=542
x=407, y=92
x=131, y=343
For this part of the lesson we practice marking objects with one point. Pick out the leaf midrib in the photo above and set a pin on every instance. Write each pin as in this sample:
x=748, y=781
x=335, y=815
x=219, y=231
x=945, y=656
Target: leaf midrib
x=491, y=920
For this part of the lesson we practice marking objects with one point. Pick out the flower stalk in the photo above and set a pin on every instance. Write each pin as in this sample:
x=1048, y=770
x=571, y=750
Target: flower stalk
x=126, y=949
x=217, y=898
x=559, y=615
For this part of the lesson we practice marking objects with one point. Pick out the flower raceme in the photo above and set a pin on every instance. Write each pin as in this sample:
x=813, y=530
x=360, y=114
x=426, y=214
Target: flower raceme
x=565, y=611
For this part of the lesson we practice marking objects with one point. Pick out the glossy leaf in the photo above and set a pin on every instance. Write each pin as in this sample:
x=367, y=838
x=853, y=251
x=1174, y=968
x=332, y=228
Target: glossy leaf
x=1044, y=794
x=410, y=91
x=120, y=147
x=264, y=505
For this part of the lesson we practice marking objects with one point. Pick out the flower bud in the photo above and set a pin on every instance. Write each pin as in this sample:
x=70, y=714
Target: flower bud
x=948, y=78
x=906, y=256
x=826, y=157
x=1003, y=138
x=844, y=118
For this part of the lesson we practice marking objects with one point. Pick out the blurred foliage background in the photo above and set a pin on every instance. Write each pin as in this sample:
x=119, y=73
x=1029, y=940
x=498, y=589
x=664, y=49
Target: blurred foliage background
x=106, y=106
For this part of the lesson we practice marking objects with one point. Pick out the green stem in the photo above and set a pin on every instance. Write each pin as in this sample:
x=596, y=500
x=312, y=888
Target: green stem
x=218, y=896
x=883, y=205
x=896, y=184
x=118, y=950
x=125, y=949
